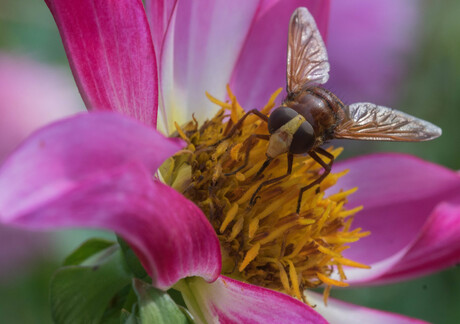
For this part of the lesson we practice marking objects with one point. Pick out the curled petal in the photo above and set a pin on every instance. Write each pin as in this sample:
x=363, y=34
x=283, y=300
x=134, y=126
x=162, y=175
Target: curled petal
x=111, y=54
x=408, y=206
x=68, y=151
x=31, y=95
x=170, y=235
x=230, y=301
x=95, y=170
x=261, y=67
x=201, y=46
x=368, y=44
x=437, y=247
x=338, y=311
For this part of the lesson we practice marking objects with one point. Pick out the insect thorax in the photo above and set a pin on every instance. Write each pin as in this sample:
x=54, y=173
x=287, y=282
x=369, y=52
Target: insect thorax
x=321, y=108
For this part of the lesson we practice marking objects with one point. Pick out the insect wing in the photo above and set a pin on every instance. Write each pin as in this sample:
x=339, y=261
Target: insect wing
x=367, y=121
x=307, y=62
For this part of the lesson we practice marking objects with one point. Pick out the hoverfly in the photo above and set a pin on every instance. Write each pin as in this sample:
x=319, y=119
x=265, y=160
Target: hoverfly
x=311, y=115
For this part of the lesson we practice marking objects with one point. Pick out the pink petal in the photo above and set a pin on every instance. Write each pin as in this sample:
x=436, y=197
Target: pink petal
x=201, y=47
x=111, y=54
x=411, y=208
x=66, y=152
x=31, y=95
x=338, y=311
x=228, y=301
x=437, y=248
x=159, y=13
x=261, y=68
x=369, y=42
x=95, y=170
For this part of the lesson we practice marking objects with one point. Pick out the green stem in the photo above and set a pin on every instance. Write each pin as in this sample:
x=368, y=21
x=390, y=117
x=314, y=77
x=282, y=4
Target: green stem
x=185, y=287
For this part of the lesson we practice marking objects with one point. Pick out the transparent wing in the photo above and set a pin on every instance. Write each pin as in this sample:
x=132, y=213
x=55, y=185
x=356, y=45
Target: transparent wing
x=367, y=121
x=307, y=57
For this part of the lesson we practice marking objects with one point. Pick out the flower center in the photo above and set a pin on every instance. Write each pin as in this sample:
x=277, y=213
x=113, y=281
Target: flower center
x=266, y=243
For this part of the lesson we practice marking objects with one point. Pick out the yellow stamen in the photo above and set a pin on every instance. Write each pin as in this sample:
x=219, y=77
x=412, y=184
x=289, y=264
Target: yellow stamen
x=326, y=293
x=351, y=263
x=181, y=133
x=234, y=152
x=229, y=217
x=240, y=177
x=341, y=272
x=245, y=198
x=328, y=252
x=283, y=277
x=236, y=108
x=265, y=243
x=300, y=245
x=223, y=104
x=276, y=233
x=347, y=213
x=343, y=194
x=347, y=225
x=236, y=229
x=331, y=282
x=217, y=173
x=251, y=255
x=294, y=280
x=271, y=102
x=334, y=239
x=253, y=227
x=323, y=219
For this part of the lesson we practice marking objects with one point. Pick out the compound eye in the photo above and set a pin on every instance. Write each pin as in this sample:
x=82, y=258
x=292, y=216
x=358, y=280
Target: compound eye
x=279, y=117
x=303, y=139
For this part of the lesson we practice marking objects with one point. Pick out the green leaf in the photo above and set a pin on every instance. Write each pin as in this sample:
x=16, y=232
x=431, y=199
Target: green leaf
x=156, y=306
x=81, y=294
x=131, y=300
x=131, y=259
x=87, y=250
x=128, y=318
x=112, y=313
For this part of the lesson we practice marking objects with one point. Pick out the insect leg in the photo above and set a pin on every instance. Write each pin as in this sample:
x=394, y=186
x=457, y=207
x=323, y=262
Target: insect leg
x=327, y=169
x=263, y=167
x=240, y=123
x=290, y=160
x=246, y=159
x=325, y=153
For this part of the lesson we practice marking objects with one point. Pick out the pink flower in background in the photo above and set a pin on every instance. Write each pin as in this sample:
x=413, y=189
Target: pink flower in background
x=95, y=170
x=369, y=44
x=31, y=95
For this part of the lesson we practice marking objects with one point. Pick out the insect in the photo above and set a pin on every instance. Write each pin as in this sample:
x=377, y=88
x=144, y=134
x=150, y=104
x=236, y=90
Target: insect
x=311, y=115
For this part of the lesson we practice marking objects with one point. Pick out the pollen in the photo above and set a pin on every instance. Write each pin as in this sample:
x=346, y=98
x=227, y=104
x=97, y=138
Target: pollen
x=265, y=243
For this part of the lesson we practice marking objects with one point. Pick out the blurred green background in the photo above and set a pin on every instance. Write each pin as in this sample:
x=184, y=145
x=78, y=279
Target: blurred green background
x=431, y=91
